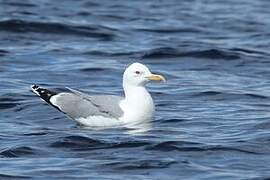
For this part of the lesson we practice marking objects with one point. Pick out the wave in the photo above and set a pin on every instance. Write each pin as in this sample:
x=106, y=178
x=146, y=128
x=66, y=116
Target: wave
x=248, y=51
x=130, y=144
x=141, y=164
x=22, y=26
x=7, y=176
x=78, y=143
x=170, y=145
x=10, y=100
x=191, y=146
x=20, y=4
x=4, y=105
x=17, y=152
x=229, y=95
x=93, y=69
x=3, y=52
x=167, y=52
x=173, y=120
x=86, y=143
x=114, y=54
x=172, y=30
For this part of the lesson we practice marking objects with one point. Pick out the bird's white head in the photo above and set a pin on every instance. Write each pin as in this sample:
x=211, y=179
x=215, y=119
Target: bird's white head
x=138, y=74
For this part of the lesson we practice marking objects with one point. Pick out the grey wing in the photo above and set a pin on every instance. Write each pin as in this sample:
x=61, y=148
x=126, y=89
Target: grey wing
x=79, y=105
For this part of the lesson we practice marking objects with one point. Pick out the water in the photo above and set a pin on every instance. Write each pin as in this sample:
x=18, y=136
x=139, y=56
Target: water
x=212, y=119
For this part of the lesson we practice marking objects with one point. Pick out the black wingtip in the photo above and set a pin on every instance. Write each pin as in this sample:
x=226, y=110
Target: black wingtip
x=34, y=87
x=45, y=94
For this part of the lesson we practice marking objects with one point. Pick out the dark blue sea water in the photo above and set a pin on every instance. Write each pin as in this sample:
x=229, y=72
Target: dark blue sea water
x=213, y=114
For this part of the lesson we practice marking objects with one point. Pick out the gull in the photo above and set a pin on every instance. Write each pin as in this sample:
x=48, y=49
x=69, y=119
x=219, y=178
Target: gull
x=136, y=106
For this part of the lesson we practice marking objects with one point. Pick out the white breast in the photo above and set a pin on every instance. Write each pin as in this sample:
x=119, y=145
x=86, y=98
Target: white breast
x=138, y=106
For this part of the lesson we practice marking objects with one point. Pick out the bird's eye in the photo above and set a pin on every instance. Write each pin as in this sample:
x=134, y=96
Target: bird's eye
x=137, y=72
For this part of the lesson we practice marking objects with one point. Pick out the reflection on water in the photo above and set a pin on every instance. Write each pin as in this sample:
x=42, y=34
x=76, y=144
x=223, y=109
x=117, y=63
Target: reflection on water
x=130, y=128
x=138, y=128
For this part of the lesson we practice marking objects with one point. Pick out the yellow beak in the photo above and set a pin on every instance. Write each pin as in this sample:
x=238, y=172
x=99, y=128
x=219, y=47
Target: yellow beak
x=156, y=77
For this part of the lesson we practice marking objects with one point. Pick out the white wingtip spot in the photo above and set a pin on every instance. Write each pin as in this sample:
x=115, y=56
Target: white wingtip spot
x=34, y=89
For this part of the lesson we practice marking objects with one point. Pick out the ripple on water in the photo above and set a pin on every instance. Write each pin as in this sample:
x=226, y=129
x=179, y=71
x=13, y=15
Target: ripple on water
x=184, y=146
x=81, y=143
x=11, y=100
x=22, y=151
x=228, y=95
x=141, y=164
x=168, y=52
x=8, y=176
x=22, y=26
x=3, y=52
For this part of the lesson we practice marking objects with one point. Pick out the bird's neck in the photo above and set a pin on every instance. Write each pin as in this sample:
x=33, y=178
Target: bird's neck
x=136, y=93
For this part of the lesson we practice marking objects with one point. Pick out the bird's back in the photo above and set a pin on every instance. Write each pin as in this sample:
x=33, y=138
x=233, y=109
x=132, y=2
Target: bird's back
x=78, y=105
